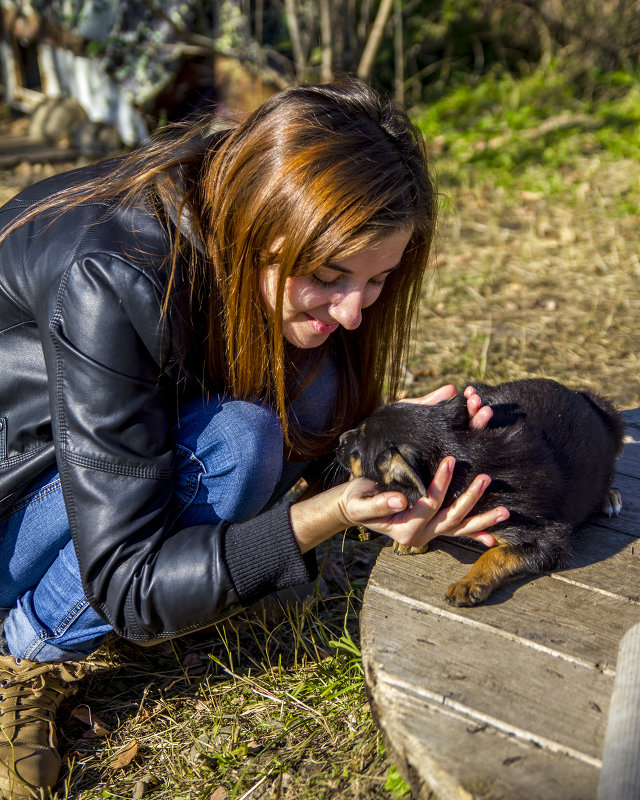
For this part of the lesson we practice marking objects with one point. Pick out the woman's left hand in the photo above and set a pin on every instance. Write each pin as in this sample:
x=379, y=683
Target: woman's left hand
x=479, y=415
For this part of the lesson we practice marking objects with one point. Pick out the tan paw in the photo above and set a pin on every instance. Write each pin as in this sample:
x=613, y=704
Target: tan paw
x=612, y=503
x=406, y=549
x=466, y=592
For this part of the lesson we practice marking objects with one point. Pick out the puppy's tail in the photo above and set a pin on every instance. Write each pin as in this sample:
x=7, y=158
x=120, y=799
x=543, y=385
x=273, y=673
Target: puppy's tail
x=609, y=415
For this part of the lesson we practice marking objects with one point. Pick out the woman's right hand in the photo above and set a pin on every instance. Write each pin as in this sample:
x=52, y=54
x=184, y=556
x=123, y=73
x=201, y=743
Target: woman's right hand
x=416, y=526
x=361, y=502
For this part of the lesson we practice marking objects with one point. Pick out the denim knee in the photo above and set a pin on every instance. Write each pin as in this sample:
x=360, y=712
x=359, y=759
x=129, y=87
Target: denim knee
x=240, y=450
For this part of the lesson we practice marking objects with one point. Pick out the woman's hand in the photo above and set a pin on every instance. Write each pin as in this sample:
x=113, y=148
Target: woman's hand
x=364, y=504
x=360, y=502
x=479, y=415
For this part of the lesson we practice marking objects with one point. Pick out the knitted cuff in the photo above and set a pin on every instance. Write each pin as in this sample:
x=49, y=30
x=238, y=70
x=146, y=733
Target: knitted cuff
x=263, y=556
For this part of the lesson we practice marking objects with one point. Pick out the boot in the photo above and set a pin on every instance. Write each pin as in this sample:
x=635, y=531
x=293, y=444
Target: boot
x=30, y=695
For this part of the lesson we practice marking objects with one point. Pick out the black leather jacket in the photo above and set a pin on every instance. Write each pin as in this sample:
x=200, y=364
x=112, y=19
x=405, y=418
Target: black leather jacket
x=90, y=373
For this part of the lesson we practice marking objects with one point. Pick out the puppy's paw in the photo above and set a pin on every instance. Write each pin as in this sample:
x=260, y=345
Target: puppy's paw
x=612, y=503
x=406, y=549
x=467, y=592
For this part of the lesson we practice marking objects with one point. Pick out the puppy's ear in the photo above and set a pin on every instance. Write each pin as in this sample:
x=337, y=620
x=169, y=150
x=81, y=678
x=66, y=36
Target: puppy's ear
x=394, y=468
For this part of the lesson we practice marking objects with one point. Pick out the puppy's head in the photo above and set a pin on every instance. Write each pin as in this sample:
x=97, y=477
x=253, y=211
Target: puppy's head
x=371, y=451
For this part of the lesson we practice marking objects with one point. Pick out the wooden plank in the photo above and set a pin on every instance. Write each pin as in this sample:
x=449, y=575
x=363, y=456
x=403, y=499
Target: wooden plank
x=629, y=461
x=14, y=152
x=606, y=561
x=632, y=418
x=442, y=752
x=530, y=693
x=548, y=612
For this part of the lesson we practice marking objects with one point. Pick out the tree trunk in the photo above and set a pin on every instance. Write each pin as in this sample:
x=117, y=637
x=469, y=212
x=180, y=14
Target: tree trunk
x=326, y=38
x=398, y=40
x=375, y=37
x=296, y=42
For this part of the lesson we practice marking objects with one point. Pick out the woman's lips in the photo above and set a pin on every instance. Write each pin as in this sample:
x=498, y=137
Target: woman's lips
x=322, y=327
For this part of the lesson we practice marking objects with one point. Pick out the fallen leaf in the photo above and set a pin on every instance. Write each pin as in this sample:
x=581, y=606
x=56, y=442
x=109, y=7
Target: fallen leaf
x=98, y=728
x=218, y=794
x=126, y=755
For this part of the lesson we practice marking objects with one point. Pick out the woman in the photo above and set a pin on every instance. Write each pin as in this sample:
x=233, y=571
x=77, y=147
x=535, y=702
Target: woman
x=184, y=332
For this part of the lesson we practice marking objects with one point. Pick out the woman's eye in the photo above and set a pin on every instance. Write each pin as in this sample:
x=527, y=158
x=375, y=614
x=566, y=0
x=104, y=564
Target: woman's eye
x=319, y=282
x=377, y=282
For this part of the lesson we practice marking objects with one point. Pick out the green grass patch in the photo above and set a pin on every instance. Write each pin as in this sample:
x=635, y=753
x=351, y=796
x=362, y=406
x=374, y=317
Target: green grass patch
x=530, y=133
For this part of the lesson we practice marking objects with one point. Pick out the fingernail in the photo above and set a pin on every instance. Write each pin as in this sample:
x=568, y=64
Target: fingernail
x=502, y=516
x=396, y=502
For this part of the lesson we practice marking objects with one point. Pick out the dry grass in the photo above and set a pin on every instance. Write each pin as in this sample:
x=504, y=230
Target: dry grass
x=528, y=285
x=269, y=704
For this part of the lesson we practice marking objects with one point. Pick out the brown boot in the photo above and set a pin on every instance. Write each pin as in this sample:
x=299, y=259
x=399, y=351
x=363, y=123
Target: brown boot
x=30, y=695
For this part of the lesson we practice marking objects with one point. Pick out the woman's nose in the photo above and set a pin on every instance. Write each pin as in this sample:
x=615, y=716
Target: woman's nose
x=347, y=310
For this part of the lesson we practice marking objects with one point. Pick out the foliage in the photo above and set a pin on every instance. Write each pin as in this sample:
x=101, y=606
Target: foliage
x=527, y=133
x=396, y=783
x=453, y=40
x=421, y=49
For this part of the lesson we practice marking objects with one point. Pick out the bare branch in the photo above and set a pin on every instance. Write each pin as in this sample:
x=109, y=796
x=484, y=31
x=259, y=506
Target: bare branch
x=398, y=41
x=326, y=38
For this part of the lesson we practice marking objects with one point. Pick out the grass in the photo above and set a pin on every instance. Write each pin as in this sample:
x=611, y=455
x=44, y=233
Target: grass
x=536, y=267
x=269, y=704
x=536, y=272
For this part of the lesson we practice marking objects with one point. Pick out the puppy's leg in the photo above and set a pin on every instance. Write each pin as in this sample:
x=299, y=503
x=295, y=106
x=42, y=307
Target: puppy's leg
x=612, y=503
x=489, y=572
x=499, y=563
x=407, y=549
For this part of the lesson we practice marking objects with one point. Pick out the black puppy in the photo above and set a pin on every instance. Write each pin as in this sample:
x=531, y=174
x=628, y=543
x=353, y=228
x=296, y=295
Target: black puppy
x=550, y=452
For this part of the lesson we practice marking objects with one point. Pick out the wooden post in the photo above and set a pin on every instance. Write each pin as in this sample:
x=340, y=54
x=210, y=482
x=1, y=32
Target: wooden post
x=620, y=774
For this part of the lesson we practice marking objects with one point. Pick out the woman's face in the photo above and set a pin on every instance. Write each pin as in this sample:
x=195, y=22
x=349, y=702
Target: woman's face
x=316, y=305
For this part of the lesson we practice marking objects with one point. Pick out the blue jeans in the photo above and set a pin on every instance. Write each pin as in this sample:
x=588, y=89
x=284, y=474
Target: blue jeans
x=230, y=465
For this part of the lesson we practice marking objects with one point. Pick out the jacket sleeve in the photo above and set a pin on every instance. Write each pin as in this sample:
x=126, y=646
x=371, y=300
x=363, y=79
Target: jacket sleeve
x=108, y=351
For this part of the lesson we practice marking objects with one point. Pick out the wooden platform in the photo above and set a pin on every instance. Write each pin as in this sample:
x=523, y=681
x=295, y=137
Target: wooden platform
x=508, y=699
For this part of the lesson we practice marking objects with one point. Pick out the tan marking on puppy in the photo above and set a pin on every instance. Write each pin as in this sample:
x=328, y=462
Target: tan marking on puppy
x=394, y=468
x=355, y=465
x=407, y=549
x=489, y=572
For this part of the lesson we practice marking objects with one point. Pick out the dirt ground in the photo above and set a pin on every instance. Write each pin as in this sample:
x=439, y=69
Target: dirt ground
x=523, y=284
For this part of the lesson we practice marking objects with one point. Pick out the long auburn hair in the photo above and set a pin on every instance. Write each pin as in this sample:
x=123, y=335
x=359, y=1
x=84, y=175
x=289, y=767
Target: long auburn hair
x=327, y=170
